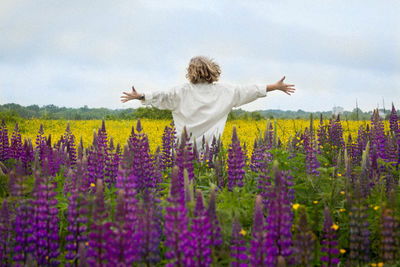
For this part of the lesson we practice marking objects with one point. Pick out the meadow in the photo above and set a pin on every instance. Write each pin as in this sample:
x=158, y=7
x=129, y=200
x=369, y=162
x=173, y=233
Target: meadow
x=136, y=193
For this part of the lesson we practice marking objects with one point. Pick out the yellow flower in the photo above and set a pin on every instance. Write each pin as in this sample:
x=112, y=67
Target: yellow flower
x=376, y=207
x=296, y=206
x=342, y=210
x=92, y=185
x=339, y=174
x=315, y=201
x=87, y=244
x=335, y=226
x=342, y=192
x=380, y=264
x=342, y=251
x=373, y=264
x=243, y=232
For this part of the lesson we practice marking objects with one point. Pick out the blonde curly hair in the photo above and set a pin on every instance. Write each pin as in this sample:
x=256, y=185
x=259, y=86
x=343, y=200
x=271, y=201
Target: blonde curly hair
x=202, y=70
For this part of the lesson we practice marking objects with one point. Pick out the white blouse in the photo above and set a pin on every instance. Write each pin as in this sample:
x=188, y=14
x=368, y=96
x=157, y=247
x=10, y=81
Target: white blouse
x=203, y=107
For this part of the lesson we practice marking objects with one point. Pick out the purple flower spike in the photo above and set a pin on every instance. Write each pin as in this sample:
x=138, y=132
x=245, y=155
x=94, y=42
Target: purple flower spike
x=201, y=233
x=329, y=241
x=389, y=229
x=24, y=241
x=304, y=241
x=168, y=146
x=98, y=238
x=45, y=223
x=309, y=144
x=185, y=157
x=77, y=215
x=177, y=237
x=5, y=234
x=150, y=228
x=121, y=247
x=377, y=134
x=257, y=250
x=394, y=121
x=235, y=162
x=280, y=218
x=238, y=246
x=16, y=149
x=215, y=236
x=359, y=244
x=4, y=142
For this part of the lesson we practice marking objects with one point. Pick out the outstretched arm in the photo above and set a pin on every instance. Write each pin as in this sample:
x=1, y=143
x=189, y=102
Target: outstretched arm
x=131, y=96
x=286, y=88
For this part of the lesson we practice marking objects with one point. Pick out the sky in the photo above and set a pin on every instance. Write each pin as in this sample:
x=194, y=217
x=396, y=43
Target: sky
x=80, y=52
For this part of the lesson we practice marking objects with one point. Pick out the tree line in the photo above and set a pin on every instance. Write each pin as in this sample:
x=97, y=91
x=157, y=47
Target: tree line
x=14, y=112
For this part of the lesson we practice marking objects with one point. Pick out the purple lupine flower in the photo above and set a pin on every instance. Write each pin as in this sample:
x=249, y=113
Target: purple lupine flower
x=77, y=178
x=142, y=163
x=102, y=138
x=201, y=233
x=40, y=137
x=121, y=249
x=4, y=142
x=304, y=241
x=238, y=246
x=150, y=227
x=362, y=139
x=322, y=133
x=235, y=162
x=185, y=157
x=70, y=145
x=177, y=238
x=335, y=139
x=257, y=251
x=126, y=180
x=257, y=156
x=168, y=145
x=366, y=182
x=16, y=149
x=24, y=241
x=27, y=156
x=394, y=121
x=269, y=136
x=45, y=226
x=329, y=241
x=309, y=144
x=359, y=244
x=5, y=234
x=389, y=243
x=77, y=214
x=245, y=156
x=157, y=168
x=391, y=150
x=98, y=236
x=112, y=163
x=279, y=219
x=377, y=134
x=215, y=235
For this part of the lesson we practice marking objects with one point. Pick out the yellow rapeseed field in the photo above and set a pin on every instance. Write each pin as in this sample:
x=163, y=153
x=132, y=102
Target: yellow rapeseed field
x=247, y=130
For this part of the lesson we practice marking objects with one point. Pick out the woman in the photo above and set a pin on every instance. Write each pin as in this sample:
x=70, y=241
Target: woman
x=203, y=104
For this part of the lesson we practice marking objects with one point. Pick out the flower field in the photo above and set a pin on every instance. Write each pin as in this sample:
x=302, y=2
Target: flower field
x=269, y=193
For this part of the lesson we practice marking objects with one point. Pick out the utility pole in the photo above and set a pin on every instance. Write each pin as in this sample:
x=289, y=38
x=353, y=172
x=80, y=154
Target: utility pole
x=356, y=109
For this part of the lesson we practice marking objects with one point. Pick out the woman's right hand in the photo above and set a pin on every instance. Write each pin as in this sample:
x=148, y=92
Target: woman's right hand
x=130, y=96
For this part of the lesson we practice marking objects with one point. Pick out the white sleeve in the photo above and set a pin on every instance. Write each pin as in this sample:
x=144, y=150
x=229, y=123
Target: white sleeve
x=163, y=99
x=244, y=94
